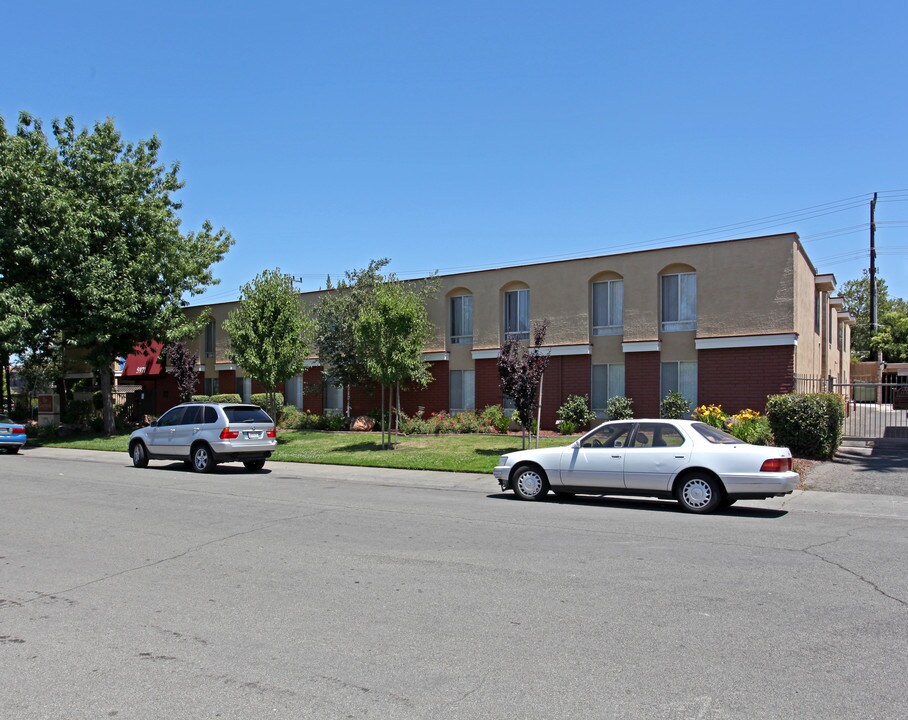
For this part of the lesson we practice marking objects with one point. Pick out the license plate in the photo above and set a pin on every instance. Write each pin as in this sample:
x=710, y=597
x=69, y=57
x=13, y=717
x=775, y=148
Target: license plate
x=4, y=431
x=255, y=434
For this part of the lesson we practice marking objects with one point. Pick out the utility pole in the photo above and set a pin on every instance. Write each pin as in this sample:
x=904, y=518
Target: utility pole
x=874, y=300
x=295, y=280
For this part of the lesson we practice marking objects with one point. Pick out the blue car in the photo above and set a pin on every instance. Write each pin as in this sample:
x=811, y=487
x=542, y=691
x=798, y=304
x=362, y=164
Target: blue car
x=12, y=435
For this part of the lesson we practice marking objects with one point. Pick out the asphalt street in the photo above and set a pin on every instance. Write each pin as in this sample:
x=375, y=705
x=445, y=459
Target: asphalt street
x=331, y=592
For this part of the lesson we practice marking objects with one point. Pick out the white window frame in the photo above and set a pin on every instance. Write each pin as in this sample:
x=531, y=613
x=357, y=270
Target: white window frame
x=465, y=317
x=523, y=313
x=211, y=339
x=614, y=298
x=686, y=378
x=467, y=399
x=687, y=311
x=614, y=384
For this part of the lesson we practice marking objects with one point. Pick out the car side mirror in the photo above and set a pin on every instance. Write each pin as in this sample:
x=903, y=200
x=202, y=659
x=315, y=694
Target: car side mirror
x=154, y=423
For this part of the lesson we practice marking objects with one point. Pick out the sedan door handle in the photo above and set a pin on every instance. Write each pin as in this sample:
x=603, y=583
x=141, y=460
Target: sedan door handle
x=680, y=457
x=616, y=456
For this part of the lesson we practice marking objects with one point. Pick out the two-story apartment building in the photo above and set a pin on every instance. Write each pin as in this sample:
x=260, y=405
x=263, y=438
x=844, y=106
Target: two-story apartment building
x=726, y=322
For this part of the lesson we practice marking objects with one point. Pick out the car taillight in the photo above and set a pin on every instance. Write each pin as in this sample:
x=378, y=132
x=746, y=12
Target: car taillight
x=271, y=433
x=18, y=431
x=776, y=465
x=228, y=434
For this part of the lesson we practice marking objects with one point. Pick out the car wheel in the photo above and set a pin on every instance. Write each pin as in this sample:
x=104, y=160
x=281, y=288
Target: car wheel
x=727, y=501
x=12, y=450
x=530, y=483
x=699, y=493
x=202, y=459
x=253, y=465
x=139, y=454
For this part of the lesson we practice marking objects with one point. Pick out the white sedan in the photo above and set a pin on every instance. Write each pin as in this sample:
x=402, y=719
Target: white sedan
x=701, y=467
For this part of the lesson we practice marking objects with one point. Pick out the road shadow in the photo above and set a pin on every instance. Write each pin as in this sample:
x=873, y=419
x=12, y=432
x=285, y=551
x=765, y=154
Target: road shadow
x=221, y=469
x=880, y=460
x=643, y=504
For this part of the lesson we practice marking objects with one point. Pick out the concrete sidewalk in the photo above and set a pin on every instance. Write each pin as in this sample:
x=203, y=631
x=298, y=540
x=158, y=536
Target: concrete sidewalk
x=813, y=501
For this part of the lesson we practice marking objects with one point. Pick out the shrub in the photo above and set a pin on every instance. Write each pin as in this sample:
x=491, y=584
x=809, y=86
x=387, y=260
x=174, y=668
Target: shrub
x=261, y=399
x=290, y=417
x=809, y=425
x=413, y=425
x=494, y=416
x=226, y=398
x=333, y=422
x=751, y=427
x=201, y=398
x=566, y=427
x=575, y=413
x=711, y=415
x=674, y=406
x=619, y=408
x=77, y=412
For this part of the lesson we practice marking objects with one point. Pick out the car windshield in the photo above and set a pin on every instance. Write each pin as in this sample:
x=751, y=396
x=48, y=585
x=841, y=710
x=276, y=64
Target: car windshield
x=714, y=435
x=6, y=420
x=246, y=414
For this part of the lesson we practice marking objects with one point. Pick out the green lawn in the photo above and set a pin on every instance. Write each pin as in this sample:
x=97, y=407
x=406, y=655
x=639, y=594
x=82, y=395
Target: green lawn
x=456, y=453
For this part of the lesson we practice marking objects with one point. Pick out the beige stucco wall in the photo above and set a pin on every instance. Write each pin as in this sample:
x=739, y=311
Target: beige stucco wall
x=751, y=287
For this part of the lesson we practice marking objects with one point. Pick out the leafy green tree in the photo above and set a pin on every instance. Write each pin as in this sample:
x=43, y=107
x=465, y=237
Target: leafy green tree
x=890, y=311
x=336, y=315
x=98, y=249
x=390, y=333
x=269, y=333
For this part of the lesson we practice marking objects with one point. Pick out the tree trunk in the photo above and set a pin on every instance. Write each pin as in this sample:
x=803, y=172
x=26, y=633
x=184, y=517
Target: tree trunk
x=382, y=414
x=107, y=401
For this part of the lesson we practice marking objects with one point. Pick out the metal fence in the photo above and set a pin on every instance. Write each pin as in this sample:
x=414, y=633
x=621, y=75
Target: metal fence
x=872, y=410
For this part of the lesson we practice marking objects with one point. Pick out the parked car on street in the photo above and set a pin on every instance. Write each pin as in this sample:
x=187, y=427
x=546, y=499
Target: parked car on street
x=703, y=468
x=204, y=434
x=12, y=435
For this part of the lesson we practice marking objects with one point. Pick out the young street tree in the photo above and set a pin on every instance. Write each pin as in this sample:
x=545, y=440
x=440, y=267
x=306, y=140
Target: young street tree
x=269, y=333
x=97, y=241
x=520, y=371
x=181, y=363
x=336, y=316
x=390, y=333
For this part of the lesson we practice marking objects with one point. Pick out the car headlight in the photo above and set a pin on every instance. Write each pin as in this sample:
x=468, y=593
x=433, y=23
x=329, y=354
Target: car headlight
x=503, y=460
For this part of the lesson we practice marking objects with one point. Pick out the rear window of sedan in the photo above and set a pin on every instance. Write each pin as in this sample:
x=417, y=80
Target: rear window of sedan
x=714, y=435
x=246, y=414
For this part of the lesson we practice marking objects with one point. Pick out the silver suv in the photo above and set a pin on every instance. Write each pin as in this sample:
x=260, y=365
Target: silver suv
x=205, y=434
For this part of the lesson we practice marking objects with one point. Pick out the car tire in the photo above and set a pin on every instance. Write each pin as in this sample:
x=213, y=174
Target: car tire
x=562, y=495
x=12, y=450
x=530, y=483
x=139, y=454
x=727, y=502
x=253, y=465
x=202, y=459
x=699, y=493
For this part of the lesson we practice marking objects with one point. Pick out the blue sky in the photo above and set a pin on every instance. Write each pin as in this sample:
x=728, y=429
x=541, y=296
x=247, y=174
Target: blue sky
x=459, y=135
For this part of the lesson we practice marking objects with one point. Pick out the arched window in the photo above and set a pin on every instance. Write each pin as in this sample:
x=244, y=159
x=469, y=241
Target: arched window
x=460, y=313
x=679, y=298
x=608, y=304
x=516, y=311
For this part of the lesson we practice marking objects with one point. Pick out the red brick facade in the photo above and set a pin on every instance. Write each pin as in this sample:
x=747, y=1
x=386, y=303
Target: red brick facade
x=740, y=378
x=565, y=375
x=642, y=381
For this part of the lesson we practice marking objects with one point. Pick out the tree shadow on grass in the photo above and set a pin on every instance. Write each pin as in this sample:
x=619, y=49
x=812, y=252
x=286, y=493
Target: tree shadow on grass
x=359, y=447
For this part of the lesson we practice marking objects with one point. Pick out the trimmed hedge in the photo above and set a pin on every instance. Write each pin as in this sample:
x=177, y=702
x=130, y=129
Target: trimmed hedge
x=227, y=397
x=261, y=399
x=201, y=398
x=811, y=426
